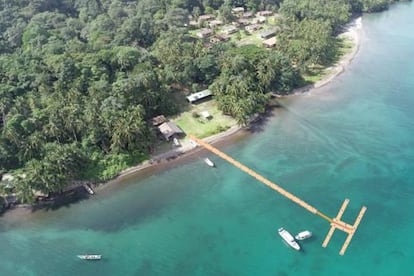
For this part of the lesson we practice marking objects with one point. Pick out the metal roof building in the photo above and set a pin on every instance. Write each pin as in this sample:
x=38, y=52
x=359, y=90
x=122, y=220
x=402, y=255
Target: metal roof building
x=199, y=95
x=169, y=129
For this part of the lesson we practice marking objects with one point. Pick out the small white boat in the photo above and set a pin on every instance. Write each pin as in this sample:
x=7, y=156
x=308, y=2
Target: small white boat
x=303, y=235
x=90, y=257
x=209, y=162
x=176, y=142
x=288, y=238
x=88, y=189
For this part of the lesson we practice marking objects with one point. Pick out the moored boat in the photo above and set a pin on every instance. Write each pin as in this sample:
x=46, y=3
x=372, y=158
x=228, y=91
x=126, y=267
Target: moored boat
x=303, y=235
x=88, y=189
x=90, y=257
x=209, y=162
x=288, y=238
x=176, y=142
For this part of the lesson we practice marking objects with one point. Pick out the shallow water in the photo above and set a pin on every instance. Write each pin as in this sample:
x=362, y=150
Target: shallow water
x=350, y=139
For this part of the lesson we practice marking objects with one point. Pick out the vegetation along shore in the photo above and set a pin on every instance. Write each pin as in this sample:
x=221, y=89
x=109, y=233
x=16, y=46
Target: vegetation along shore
x=90, y=89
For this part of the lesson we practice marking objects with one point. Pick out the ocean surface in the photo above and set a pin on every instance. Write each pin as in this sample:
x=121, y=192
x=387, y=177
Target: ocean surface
x=353, y=138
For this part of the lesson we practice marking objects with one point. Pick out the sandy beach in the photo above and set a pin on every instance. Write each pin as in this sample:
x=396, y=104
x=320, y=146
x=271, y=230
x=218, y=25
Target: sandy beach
x=352, y=32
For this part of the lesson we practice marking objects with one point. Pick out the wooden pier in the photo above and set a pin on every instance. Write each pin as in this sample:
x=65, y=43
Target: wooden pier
x=336, y=222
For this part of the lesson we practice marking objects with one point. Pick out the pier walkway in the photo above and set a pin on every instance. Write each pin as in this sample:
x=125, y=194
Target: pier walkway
x=336, y=222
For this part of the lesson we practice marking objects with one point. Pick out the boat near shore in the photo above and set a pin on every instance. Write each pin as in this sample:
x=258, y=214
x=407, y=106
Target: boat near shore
x=209, y=162
x=88, y=189
x=303, y=235
x=176, y=142
x=288, y=238
x=90, y=257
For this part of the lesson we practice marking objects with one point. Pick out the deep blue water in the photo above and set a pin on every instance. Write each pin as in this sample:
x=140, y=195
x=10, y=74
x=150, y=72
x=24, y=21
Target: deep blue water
x=353, y=138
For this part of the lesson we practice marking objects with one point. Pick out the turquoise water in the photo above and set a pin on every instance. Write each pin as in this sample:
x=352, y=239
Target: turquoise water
x=351, y=139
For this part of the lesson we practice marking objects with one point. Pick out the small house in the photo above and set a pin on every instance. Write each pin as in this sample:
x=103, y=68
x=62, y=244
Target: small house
x=203, y=33
x=247, y=15
x=199, y=95
x=253, y=27
x=228, y=30
x=259, y=20
x=243, y=21
x=237, y=10
x=219, y=38
x=215, y=23
x=269, y=43
x=170, y=130
x=156, y=121
x=268, y=33
x=264, y=13
x=205, y=17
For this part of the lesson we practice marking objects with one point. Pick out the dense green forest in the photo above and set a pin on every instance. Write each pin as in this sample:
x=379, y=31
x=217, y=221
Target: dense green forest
x=81, y=79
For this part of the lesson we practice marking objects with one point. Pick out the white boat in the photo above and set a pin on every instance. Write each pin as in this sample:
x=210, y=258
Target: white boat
x=288, y=238
x=303, y=235
x=88, y=189
x=209, y=162
x=176, y=142
x=90, y=257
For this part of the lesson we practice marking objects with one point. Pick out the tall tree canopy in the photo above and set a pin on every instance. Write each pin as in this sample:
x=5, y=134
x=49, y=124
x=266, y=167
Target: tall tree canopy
x=81, y=79
x=247, y=73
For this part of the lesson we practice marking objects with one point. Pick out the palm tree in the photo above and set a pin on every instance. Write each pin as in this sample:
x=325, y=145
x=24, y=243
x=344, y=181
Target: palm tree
x=12, y=130
x=24, y=190
x=31, y=146
x=266, y=72
x=128, y=129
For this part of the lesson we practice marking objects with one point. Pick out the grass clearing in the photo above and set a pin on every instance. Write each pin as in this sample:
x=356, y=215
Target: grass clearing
x=345, y=45
x=200, y=126
x=316, y=73
x=253, y=38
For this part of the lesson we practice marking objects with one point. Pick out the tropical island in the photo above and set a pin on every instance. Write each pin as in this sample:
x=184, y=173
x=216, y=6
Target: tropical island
x=91, y=88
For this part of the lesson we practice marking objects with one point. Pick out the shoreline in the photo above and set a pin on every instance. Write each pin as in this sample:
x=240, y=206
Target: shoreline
x=187, y=151
x=352, y=32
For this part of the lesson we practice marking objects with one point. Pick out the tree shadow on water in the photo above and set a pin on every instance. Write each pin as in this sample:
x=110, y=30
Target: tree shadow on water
x=258, y=123
x=61, y=200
